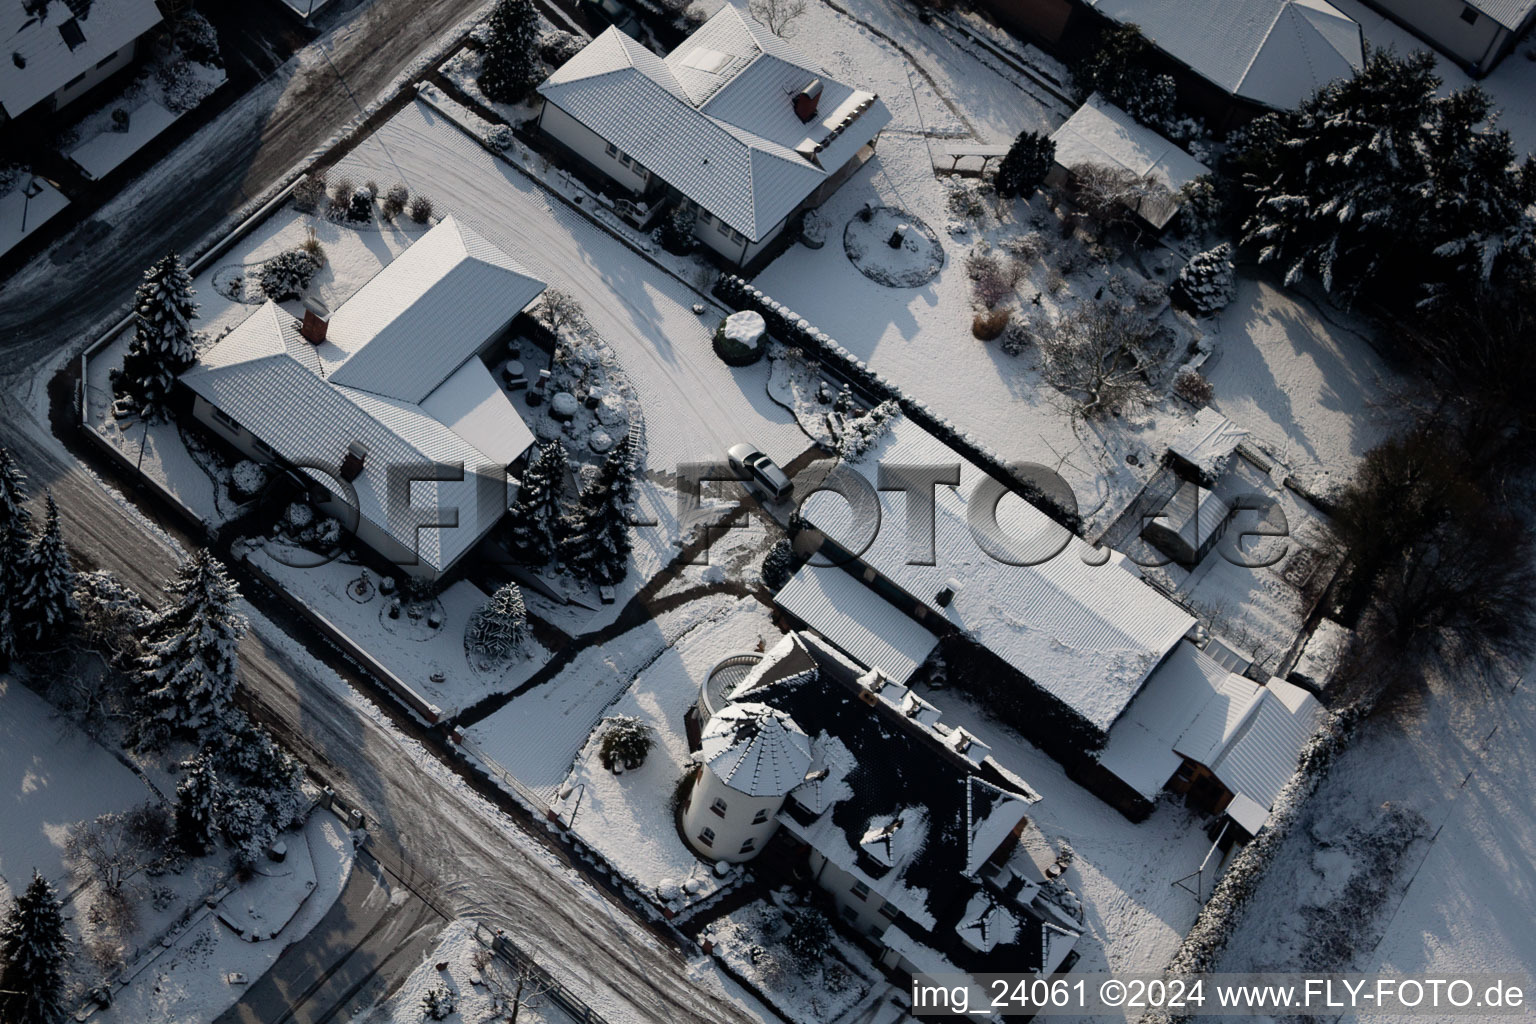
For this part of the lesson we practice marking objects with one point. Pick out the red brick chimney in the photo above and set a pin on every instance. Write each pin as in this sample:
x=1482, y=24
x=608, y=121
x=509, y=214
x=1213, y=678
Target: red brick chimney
x=316, y=320
x=807, y=100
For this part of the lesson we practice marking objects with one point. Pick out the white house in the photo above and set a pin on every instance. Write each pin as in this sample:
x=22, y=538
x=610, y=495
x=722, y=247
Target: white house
x=387, y=406
x=734, y=121
x=751, y=756
x=1475, y=33
x=57, y=50
x=919, y=836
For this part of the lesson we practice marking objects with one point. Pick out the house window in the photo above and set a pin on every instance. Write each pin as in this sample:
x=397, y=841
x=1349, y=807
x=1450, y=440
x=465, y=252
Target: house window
x=75, y=81
x=108, y=59
x=850, y=915
x=1469, y=15
x=760, y=817
x=888, y=912
x=612, y=150
x=860, y=891
x=707, y=837
x=705, y=217
x=264, y=448
x=625, y=160
x=225, y=418
x=749, y=846
x=718, y=806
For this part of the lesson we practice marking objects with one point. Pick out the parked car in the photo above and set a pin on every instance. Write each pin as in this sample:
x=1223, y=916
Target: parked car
x=759, y=472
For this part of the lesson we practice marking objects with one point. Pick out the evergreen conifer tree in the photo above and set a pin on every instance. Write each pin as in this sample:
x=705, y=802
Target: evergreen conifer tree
x=197, y=797
x=33, y=951
x=45, y=600
x=1026, y=164
x=163, y=343
x=531, y=522
x=594, y=541
x=187, y=675
x=15, y=531
x=1205, y=283
x=509, y=62
x=499, y=627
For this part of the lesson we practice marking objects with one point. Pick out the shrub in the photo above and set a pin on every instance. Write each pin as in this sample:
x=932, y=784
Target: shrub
x=625, y=744
x=990, y=324
x=308, y=193
x=1096, y=355
x=499, y=138
x=1192, y=386
x=421, y=209
x=966, y=202
x=439, y=1003
x=1202, y=210
x=286, y=275
x=1026, y=164
x=810, y=935
x=394, y=201
x=360, y=209
x=558, y=46
x=1204, y=285
x=736, y=353
x=1016, y=336
x=778, y=565
x=676, y=232
x=339, y=202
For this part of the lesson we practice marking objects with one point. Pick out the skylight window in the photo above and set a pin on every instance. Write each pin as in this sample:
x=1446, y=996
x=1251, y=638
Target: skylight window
x=73, y=37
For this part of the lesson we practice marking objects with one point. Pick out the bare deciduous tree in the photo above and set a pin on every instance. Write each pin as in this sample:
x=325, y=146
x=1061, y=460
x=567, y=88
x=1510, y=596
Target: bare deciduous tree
x=1110, y=195
x=558, y=310
x=1095, y=355
x=778, y=15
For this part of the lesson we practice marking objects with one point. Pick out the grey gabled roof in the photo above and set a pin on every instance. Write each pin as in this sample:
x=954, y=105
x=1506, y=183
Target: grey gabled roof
x=35, y=58
x=714, y=119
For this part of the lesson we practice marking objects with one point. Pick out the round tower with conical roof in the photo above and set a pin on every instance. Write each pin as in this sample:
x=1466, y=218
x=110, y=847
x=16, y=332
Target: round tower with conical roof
x=751, y=756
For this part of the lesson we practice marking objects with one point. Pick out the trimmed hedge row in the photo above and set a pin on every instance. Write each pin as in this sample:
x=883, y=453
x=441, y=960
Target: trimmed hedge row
x=794, y=329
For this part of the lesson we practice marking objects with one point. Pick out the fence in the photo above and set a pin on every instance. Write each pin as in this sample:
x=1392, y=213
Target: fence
x=543, y=981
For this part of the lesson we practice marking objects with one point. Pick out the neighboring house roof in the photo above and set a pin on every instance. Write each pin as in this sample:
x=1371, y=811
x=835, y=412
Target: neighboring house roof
x=1512, y=14
x=889, y=803
x=44, y=51
x=282, y=389
x=755, y=750
x=1249, y=736
x=1087, y=633
x=858, y=621
x=1274, y=52
x=1101, y=133
x=1208, y=442
x=715, y=118
x=1188, y=520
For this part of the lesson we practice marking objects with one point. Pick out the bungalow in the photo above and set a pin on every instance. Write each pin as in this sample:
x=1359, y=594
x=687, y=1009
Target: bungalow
x=734, y=122
x=919, y=837
x=61, y=49
x=387, y=406
x=1477, y=34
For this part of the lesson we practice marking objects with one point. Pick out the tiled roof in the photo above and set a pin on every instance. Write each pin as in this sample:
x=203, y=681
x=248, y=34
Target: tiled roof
x=861, y=623
x=1275, y=52
x=1512, y=14
x=715, y=119
x=282, y=389
x=36, y=59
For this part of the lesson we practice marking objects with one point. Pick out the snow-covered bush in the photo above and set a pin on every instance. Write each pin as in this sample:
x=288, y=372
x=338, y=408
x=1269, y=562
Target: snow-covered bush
x=298, y=515
x=360, y=209
x=1192, y=386
x=309, y=193
x=421, y=209
x=739, y=338
x=439, y=1003
x=1016, y=336
x=498, y=628
x=967, y=200
x=557, y=46
x=339, y=202
x=626, y=742
x=197, y=39
x=1025, y=248
x=1024, y=167
x=1201, y=210
x=112, y=614
x=676, y=233
x=990, y=324
x=247, y=479
x=395, y=199
x=993, y=275
x=778, y=565
x=1205, y=285
x=286, y=275
x=809, y=938
x=499, y=138
x=861, y=433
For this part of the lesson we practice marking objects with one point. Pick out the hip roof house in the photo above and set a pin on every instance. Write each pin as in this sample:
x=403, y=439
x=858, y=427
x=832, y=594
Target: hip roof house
x=734, y=121
x=56, y=50
x=1477, y=34
x=390, y=397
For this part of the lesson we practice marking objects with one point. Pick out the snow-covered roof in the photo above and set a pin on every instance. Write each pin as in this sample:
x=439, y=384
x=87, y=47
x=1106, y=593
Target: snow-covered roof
x=418, y=319
x=1275, y=52
x=1208, y=442
x=1248, y=735
x=991, y=815
x=1087, y=633
x=1101, y=133
x=756, y=749
x=1321, y=655
x=860, y=622
x=1511, y=14
x=1189, y=519
x=48, y=43
x=987, y=923
x=277, y=385
x=715, y=118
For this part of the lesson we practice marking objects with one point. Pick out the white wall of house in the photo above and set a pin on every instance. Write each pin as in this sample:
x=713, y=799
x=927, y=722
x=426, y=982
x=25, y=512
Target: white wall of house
x=858, y=906
x=722, y=823
x=593, y=148
x=85, y=82
x=1478, y=43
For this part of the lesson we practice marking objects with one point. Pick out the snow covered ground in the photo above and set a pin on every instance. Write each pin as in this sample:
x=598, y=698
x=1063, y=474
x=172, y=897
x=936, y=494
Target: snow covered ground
x=54, y=776
x=630, y=818
x=479, y=993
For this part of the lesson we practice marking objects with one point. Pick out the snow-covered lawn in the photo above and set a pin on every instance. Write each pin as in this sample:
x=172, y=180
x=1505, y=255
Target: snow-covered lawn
x=21, y=214
x=1124, y=872
x=630, y=818
x=537, y=735
x=479, y=994
x=432, y=661
x=189, y=981
x=54, y=776
x=226, y=295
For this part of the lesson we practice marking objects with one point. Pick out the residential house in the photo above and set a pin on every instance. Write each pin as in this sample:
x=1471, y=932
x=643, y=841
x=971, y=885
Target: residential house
x=388, y=405
x=920, y=838
x=1477, y=34
x=734, y=121
x=58, y=50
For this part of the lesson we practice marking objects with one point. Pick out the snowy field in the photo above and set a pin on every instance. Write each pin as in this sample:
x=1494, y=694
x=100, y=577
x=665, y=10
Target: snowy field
x=54, y=776
x=629, y=818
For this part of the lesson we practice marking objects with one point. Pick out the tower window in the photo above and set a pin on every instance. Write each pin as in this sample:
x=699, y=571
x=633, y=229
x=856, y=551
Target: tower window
x=718, y=806
x=707, y=837
x=749, y=846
